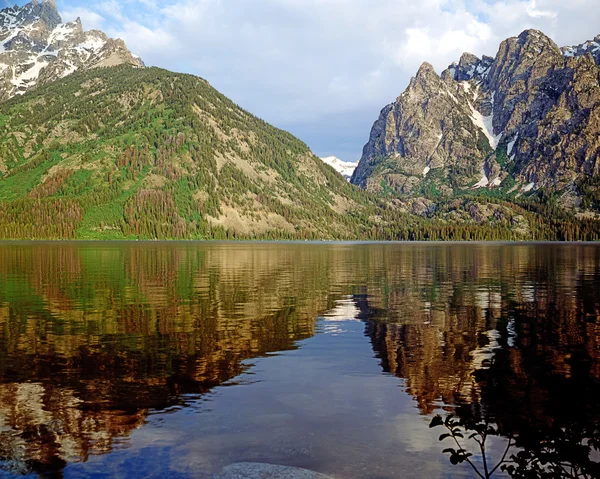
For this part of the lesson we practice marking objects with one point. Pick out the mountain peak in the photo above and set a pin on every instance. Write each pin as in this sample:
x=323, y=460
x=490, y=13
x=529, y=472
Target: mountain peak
x=34, y=12
x=469, y=67
x=37, y=47
x=591, y=46
x=468, y=59
x=426, y=69
x=533, y=34
x=113, y=53
x=344, y=168
x=537, y=39
x=49, y=3
x=515, y=101
x=424, y=77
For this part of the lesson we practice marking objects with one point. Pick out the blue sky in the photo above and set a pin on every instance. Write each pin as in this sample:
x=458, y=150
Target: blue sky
x=323, y=69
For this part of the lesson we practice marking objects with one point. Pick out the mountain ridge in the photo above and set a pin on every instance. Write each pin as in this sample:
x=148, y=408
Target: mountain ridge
x=143, y=153
x=523, y=121
x=36, y=47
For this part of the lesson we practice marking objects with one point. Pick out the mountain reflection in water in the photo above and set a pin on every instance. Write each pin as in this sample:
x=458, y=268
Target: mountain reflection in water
x=98, y=339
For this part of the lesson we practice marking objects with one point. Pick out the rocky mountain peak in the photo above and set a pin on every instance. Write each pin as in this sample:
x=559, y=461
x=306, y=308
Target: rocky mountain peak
x=534, y=43
x=518, y=54
x=520, y=79
x=37, y=47
x=425, y=71
x=468, y=61
x=426, y=68
x=591, y=47
x=420, y=132
x=527, y=118
x=113, y=53
x=469, y=67
x=425, y=78
x=35, y=11
x=535, y=37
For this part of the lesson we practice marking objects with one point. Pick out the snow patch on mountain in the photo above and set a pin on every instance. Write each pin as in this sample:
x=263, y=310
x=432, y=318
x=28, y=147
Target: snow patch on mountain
x=37, y=47
x=592, y=46
x=344, y=168
x=486, y=125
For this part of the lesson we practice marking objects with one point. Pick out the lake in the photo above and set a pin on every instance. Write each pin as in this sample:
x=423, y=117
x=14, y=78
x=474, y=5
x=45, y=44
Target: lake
x=179, y=359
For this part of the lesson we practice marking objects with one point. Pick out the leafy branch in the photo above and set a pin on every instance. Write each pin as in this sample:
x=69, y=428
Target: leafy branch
x=456, y=432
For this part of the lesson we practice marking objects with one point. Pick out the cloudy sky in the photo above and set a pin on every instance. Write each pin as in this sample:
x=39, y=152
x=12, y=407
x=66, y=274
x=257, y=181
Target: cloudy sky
x=323, y=69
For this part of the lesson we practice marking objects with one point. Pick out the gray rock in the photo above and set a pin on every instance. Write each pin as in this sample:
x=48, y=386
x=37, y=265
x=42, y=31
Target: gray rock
x=591, y=46
x=255, y=470
x=427, y=132
x=38, y=48
x=531, y=113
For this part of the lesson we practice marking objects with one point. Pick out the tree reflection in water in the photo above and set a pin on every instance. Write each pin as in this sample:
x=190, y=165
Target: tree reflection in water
x=524, y=368
x=93, y=339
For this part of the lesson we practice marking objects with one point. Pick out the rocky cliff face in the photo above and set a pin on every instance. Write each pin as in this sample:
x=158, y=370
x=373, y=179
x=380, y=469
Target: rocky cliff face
x=36, y=47
x=525, y=120
x=432, y=128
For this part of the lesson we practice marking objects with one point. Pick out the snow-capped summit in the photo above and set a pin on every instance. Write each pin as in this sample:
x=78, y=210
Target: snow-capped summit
x=37, y=47
x=344, y=168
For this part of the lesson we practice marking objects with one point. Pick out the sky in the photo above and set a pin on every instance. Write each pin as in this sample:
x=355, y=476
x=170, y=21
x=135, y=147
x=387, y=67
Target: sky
x=323, y=69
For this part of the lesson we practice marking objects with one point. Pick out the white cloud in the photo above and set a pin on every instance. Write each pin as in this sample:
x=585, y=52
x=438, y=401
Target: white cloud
x=90, y=19
x=532, y=11
x=299, y=63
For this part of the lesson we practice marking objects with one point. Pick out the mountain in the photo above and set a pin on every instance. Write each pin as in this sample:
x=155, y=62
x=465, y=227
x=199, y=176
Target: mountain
x=344, y=168
x=591, y=46
x=526, y=122
x=36, y=47
x=128, y=152
x=142, y=153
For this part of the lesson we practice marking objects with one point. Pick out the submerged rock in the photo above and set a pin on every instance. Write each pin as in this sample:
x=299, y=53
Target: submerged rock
x=255, y=470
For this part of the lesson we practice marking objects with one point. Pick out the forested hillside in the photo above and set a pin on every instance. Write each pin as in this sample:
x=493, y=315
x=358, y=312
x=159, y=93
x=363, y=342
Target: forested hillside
x=130, y=153
x=127, y=153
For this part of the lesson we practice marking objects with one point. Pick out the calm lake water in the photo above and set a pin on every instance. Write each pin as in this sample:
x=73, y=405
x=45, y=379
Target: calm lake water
x=175, y=360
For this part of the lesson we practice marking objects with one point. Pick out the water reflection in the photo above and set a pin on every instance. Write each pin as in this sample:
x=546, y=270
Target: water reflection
x=95, y=337
x=520, y=351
